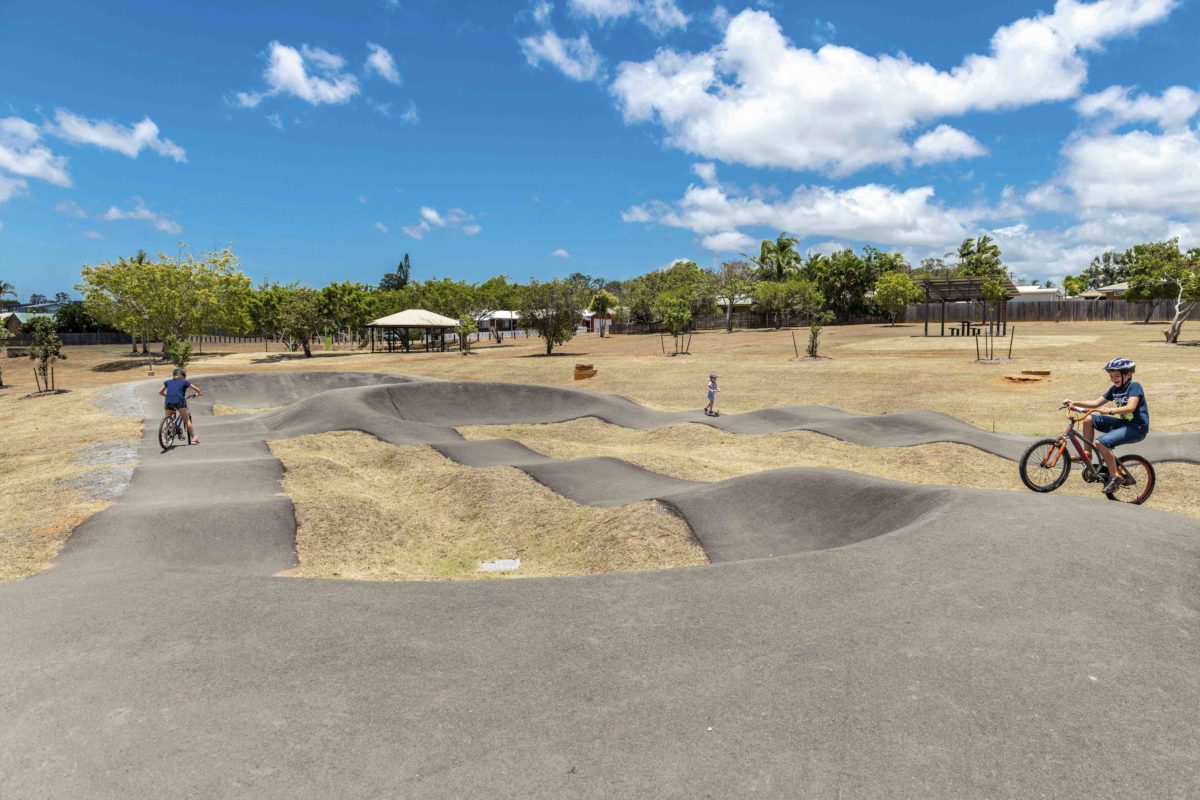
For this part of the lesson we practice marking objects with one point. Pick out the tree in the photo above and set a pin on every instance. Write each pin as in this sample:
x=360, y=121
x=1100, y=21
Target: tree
x=447, y=297
x=168, y=296
x=8, y=290
x=844, y=278
x=347, y=308
x=1074, y=285
x=45, y=350
x=676, y=315
x=779, y=301
x=1106, y=269
x=179, y=351
x=73, y=318
x=554, y=309
x=62, y=297
x=814, y=332
x=300, y=317
x=1159, y=270
x=587, y=281
x=734, y=282
x=777, y=260
x=494, y=294
x=394, y=281
x=893, y=293
x=602, y=302
x=37, y=299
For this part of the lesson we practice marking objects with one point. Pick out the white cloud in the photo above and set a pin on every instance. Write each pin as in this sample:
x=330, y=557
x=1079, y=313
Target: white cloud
x=432, y=216
x=141, y=212
x=871, y=213
x=757, y=99
x=417, y=231
x=381, y=63
x=542, y=11
x=310, y=73
x=92, y=235
x=706, y=172
x=276, y=121
x=1114, y=107
x=111, y=136
x=11, y=187
x=945, y=143
x=574, y=58
x=560, y=253
x=71, y=209
x=410, y=115
x=659, y=16
x=729, y=242
x=23, y=154
x=379, y=226
x=471, y=230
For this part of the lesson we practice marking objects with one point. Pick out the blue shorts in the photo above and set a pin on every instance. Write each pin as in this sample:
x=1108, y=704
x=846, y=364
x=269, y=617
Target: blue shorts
x=1117, y=431
x=176, y=406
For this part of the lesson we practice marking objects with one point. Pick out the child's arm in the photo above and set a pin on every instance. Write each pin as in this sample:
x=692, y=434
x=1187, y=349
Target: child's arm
x=1086, y=403
x=163, y=391
x=1128, y=408
x=195, y=389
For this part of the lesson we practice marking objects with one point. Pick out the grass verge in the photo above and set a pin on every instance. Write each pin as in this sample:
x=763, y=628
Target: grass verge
x=374, y=511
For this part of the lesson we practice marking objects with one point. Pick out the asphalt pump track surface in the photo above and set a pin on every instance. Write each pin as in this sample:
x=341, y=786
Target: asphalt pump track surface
x=853, y=636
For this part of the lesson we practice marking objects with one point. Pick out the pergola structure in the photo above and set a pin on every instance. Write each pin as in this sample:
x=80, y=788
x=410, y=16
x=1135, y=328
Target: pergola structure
x=956, y=290
x=405, y=321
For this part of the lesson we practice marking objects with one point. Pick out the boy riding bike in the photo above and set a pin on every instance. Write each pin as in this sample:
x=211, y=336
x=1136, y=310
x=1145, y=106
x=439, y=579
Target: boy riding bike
x=1129, y=422
x=175, y=390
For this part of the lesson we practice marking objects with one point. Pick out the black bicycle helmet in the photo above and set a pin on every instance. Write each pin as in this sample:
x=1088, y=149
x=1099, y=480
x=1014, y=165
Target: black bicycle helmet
x=179, y=372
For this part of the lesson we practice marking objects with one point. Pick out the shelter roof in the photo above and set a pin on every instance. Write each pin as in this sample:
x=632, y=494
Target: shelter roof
x=414, y=318
x=953, y=289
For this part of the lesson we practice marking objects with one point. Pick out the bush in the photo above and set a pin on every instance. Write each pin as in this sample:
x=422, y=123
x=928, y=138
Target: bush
x=814, y=331
x=180, y=352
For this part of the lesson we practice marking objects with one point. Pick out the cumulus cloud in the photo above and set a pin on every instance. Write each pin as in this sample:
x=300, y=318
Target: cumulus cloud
x=129, y=141
x=574, y=58
x=872, y=213
x=945, y=143
x=314, y=75
x=560, y=253
x=410, y=115
x=660, y=16
x=141, y=212
x=455, y=219
x=472, y=229
x=381, y=63
x=379, y=226
x=431, y=216
x=416, y=231
x=706, y=172
x=11, y=187
x=757, y=99
x=1115, y=107
x=542, y=12
x=23, y=154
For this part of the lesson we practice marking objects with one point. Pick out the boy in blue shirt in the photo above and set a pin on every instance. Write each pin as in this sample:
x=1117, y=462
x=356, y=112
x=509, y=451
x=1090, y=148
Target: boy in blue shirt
x=175, y=390
x=1129, y=422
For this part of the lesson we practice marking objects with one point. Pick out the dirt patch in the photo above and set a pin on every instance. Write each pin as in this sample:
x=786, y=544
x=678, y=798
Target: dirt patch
x=373, y=511
x=699, y=452
x=62, y=458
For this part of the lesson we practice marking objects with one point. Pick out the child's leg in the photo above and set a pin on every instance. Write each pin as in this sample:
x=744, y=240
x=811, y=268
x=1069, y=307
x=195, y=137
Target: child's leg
x=187, y=421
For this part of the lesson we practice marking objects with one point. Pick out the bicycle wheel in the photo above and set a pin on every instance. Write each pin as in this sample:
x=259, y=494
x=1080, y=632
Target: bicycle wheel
x=1141, y=472
x=166, y=432
x=1035, y=472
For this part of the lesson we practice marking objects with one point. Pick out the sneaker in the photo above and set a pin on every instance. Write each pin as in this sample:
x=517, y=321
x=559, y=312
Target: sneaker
x=196, y=440
x=1112, y=485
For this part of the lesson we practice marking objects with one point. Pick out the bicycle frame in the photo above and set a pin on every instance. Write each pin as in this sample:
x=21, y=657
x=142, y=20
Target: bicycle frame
x=1073, y=436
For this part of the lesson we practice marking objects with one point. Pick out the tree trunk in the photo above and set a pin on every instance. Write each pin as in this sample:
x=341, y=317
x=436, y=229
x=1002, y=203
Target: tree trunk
x=729, y=315
x=307, y=349
x=549, y=346
x=1153, y=307
x=1183, y=310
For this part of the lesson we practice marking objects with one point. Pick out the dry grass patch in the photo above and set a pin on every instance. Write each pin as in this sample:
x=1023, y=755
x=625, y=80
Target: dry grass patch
x=699, y=452
x=39, y=442
x=371, y=510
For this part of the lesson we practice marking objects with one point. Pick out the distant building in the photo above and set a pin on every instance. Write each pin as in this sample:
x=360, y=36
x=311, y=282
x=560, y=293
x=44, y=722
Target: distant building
x=499, y=321
x=741, y=303
x=1110, y=292
x=15, y=320
x=50, y=308
x=1031, y=294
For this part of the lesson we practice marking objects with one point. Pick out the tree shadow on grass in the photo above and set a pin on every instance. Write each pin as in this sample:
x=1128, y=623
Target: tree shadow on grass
x=554, y=355
x=275, y=358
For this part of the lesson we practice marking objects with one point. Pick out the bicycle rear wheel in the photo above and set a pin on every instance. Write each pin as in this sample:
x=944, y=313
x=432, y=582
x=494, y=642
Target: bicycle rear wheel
x=1043, y=468
x=1141, y=473
x=166, y=432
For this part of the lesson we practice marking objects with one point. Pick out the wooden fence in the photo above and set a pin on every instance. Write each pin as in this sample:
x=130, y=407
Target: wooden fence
x=1055, y=311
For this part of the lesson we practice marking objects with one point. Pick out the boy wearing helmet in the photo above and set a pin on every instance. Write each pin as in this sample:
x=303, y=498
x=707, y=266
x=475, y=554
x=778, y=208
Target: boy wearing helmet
x=1129, y=422
x=175, y=390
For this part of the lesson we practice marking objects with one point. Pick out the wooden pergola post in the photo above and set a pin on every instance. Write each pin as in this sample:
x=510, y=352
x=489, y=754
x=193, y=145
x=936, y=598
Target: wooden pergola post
x=926, y=309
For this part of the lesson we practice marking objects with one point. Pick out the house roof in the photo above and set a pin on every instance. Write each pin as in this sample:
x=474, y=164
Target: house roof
x=1113, y=287
x=1039, y=290
x=414, y=318
x=502, y=315
x=22, y=317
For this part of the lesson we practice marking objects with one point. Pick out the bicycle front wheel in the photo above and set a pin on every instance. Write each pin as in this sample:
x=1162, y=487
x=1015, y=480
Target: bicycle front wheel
x=1138, y=481
x=166, y=432
x=1043, y=467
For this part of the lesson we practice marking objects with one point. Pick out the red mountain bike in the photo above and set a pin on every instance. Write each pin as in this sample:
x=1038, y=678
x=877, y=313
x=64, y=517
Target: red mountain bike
x=1046, y=464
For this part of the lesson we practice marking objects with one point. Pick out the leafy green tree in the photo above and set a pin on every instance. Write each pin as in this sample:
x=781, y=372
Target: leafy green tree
x=1159, y=270
x=1106, y=269
x=554, y=309
x=73, y=318
x=300, y=317
x=893, y=293
x=395, y=281
x=980, y=258
x=777, y=260
x=494, y=294
x=37, y=298
x=465, y=328
x=179, y=351
x=814, y=332
x=844, y=277
x=603, y=301
x=62, y=297
x=447, y=297
x=675, y=313
x=779, y=301
x=347, y=307
x=45, y=350
x=168, y=296
x=1074, y=285
x=587, y=281
x=734, y=281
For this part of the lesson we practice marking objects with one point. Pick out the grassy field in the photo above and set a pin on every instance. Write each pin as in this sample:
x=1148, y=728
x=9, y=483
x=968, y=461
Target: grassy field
x=868, y=369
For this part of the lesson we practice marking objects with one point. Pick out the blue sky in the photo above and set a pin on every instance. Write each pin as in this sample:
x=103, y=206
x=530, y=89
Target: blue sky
x=610, y=137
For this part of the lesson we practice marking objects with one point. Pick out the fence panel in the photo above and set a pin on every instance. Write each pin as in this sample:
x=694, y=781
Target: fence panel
x=1056, y=311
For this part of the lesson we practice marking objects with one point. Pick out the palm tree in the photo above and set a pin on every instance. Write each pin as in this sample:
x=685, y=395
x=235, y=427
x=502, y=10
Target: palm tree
x=7, y=290
x=777, y=260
